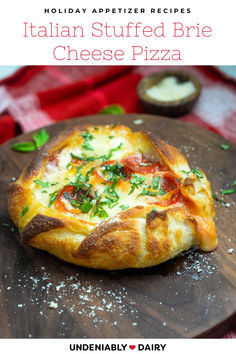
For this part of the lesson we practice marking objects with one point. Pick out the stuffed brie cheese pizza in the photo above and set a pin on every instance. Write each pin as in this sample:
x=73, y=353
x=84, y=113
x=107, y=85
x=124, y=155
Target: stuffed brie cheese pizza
x=106, y=197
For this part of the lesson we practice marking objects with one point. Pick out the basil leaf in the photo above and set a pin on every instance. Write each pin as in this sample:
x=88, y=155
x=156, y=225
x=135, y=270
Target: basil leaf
x=24, y=211
x=225, y=146
x=42, y=184
x=40, y=138
x=113, y=109
x=24, y=146
x=227, y=191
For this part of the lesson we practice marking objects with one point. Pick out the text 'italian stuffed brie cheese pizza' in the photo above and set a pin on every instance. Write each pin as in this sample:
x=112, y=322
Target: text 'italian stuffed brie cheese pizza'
x=106, y=197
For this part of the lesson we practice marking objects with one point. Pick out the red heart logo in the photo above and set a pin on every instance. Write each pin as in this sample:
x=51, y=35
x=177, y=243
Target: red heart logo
x=132, y=347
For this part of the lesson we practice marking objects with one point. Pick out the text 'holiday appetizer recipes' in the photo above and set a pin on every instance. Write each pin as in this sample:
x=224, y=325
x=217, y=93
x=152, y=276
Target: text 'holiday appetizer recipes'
x=106, y=197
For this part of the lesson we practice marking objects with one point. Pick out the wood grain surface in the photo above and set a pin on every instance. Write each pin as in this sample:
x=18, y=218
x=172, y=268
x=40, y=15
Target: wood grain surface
x=193, y=295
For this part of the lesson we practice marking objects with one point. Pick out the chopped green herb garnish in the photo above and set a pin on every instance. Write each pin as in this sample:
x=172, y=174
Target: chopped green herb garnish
x=75, y=203
x=135, y=182
x=155, y=182
x=196, y=172
x=86, y=206
x=111, y=136
x=147, y=192
x=124, y=207
x=225, y=146
x=161, y=192
x=218, y=199
x=53, y=197
x=12, y=229
x=67, y=196
x=42, y=184
x=69, y=166
x=99, y=211
x=24, y=211
x=83, y=157
x=227, y=191
x=95, y=128
x=88, y=174
x=5, y=224
x=54, y=183
x=87, y=146
x=86, y=135
x=80, y=178
x=115, y=169
x=44, y=191
x=113, y=197
x=111, y=207
x=109, y=155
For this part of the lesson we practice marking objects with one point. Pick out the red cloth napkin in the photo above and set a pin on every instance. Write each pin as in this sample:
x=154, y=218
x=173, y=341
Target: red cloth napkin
x=36, y=96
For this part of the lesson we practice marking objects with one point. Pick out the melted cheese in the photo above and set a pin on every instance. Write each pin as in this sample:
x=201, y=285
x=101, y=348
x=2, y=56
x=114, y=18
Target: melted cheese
x=115, y=144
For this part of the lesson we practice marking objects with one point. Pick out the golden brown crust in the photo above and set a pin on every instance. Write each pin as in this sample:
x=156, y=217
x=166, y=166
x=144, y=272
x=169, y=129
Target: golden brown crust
x=45, y=151
x=141, y=236
x=171, y=156
x=16, y=201
x=39, y=224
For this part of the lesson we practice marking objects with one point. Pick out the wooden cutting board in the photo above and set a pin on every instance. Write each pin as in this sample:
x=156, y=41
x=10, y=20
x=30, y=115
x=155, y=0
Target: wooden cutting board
x=191, y=296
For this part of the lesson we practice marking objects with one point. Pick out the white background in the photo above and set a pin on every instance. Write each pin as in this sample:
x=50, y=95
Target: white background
x=173, y=346
x=219, y=49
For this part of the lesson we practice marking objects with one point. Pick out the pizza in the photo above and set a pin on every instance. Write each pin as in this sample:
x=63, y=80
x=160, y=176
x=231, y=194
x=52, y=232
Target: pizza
x=106, y=197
